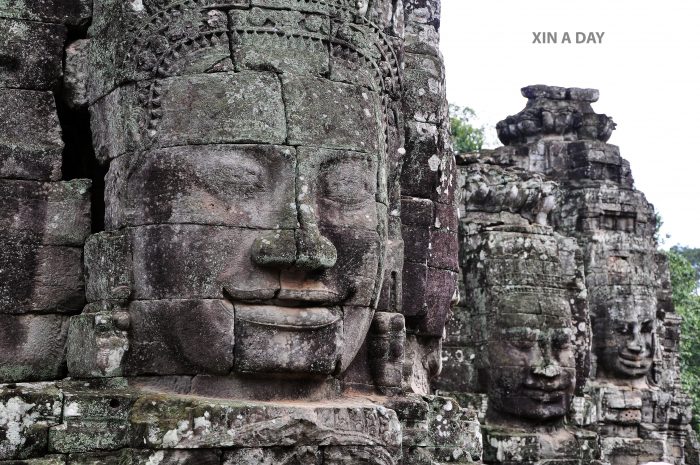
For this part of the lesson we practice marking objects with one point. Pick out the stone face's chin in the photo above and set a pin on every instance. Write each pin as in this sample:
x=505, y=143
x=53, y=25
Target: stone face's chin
x=303, y=341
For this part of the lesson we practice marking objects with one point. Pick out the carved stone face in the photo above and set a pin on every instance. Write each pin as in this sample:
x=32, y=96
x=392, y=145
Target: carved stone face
x=532, y=367
x=624, y=336
x=259, y=180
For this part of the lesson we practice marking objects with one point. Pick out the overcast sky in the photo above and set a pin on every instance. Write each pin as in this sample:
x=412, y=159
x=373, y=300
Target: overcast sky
x=646, y=69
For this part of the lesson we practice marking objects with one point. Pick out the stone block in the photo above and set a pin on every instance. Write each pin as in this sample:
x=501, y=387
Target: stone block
x=283, y=41
x=443, y=250
x=76, y=74
x=420, y=175
x=219, y=108
x=441, y=287
x=32, y=54
x=95, y=418
x=48, y=213
x=288, y=340
x=184, y=422
x=421, y=39
x=231, y=185
x=191, y=261
x=332, y=115
x=178, y=337
x=117, y=123
x=274, y=456
x=23, y=156
x=415, y=282
x=358, y=456
x=32, y=347
x=96, y=344
x=72, y=12
x=108, y=268
x=339, y=186
x=38, y=278
x=46, y=460
x=28, y=410
x=424, y=89
x=386, y=349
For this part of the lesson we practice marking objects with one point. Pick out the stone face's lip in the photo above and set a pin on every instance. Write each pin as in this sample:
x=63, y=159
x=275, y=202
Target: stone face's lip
x=634, y=362
x=288, y=317
x=323, y=296
x=545, y=395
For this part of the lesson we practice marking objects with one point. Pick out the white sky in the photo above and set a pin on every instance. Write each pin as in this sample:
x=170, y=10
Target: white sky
x=646, y=70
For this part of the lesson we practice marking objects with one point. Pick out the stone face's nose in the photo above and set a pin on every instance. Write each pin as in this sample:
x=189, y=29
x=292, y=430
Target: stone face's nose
x=305, y=249
x=313, y=250
x=548, y=370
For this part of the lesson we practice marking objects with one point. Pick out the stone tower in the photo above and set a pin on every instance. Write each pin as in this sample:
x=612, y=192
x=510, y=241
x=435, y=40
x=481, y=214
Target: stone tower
x=273, y=257
x=556, y=175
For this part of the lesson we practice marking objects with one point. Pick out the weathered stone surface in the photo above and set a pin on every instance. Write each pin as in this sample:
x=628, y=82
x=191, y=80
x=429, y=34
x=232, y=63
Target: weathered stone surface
x=278, y=340
x=48, y=213
x=26, y=413
x=73, y=12
x=108, y=268
x=76, y=74
x=424, y=91
x=331, y=115
x=566, y=113
x=146, y=457
x=180, y=337
x=33, y=347
x=192, y=261
x=206, y=109
x=29, y=156
x=97, y=343
x=38, y=278
x=157, y=422
x=253, y=233
x=116, y=124
x=282, y=41
x=274, y=455
x=95, y=417
x=31, y=54
x=229, y=185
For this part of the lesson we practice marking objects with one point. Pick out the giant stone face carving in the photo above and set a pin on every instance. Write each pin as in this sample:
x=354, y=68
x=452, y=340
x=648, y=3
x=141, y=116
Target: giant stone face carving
x=253, y=164
x=624, y=335
x=521, y=284
x=532, y=361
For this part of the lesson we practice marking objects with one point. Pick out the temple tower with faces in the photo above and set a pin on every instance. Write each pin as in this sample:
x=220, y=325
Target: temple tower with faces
x=557, y=169
x=277, y=256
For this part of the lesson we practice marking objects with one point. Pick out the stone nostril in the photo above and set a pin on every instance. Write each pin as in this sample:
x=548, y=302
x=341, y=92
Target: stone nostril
x=314, y=251
x=275, y=249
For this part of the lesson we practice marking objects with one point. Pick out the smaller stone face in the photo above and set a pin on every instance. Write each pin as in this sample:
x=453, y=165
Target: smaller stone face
x=624, y=335
x=532, y=363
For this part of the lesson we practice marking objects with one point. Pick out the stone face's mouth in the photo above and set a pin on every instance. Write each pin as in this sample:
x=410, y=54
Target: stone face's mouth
x=633, y=362
x=308, y=318
x=545, y=395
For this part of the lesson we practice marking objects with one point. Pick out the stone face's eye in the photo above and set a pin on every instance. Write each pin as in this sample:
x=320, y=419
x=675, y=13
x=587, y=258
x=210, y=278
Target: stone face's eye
x=623, y=328
x=648, y=326
x=348, y=182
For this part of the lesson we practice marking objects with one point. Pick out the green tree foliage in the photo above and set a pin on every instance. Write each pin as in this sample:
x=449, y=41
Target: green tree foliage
x=687, y=303
x=692, y=255
x=465, y=137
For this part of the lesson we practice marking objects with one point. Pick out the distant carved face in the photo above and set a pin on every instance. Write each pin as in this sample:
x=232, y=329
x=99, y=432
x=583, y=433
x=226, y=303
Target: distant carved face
x=532, y=370
x=624, y=336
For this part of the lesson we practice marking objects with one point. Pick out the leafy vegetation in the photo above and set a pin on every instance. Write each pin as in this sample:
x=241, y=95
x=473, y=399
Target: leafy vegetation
x=684, y=279
x=465, y=137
